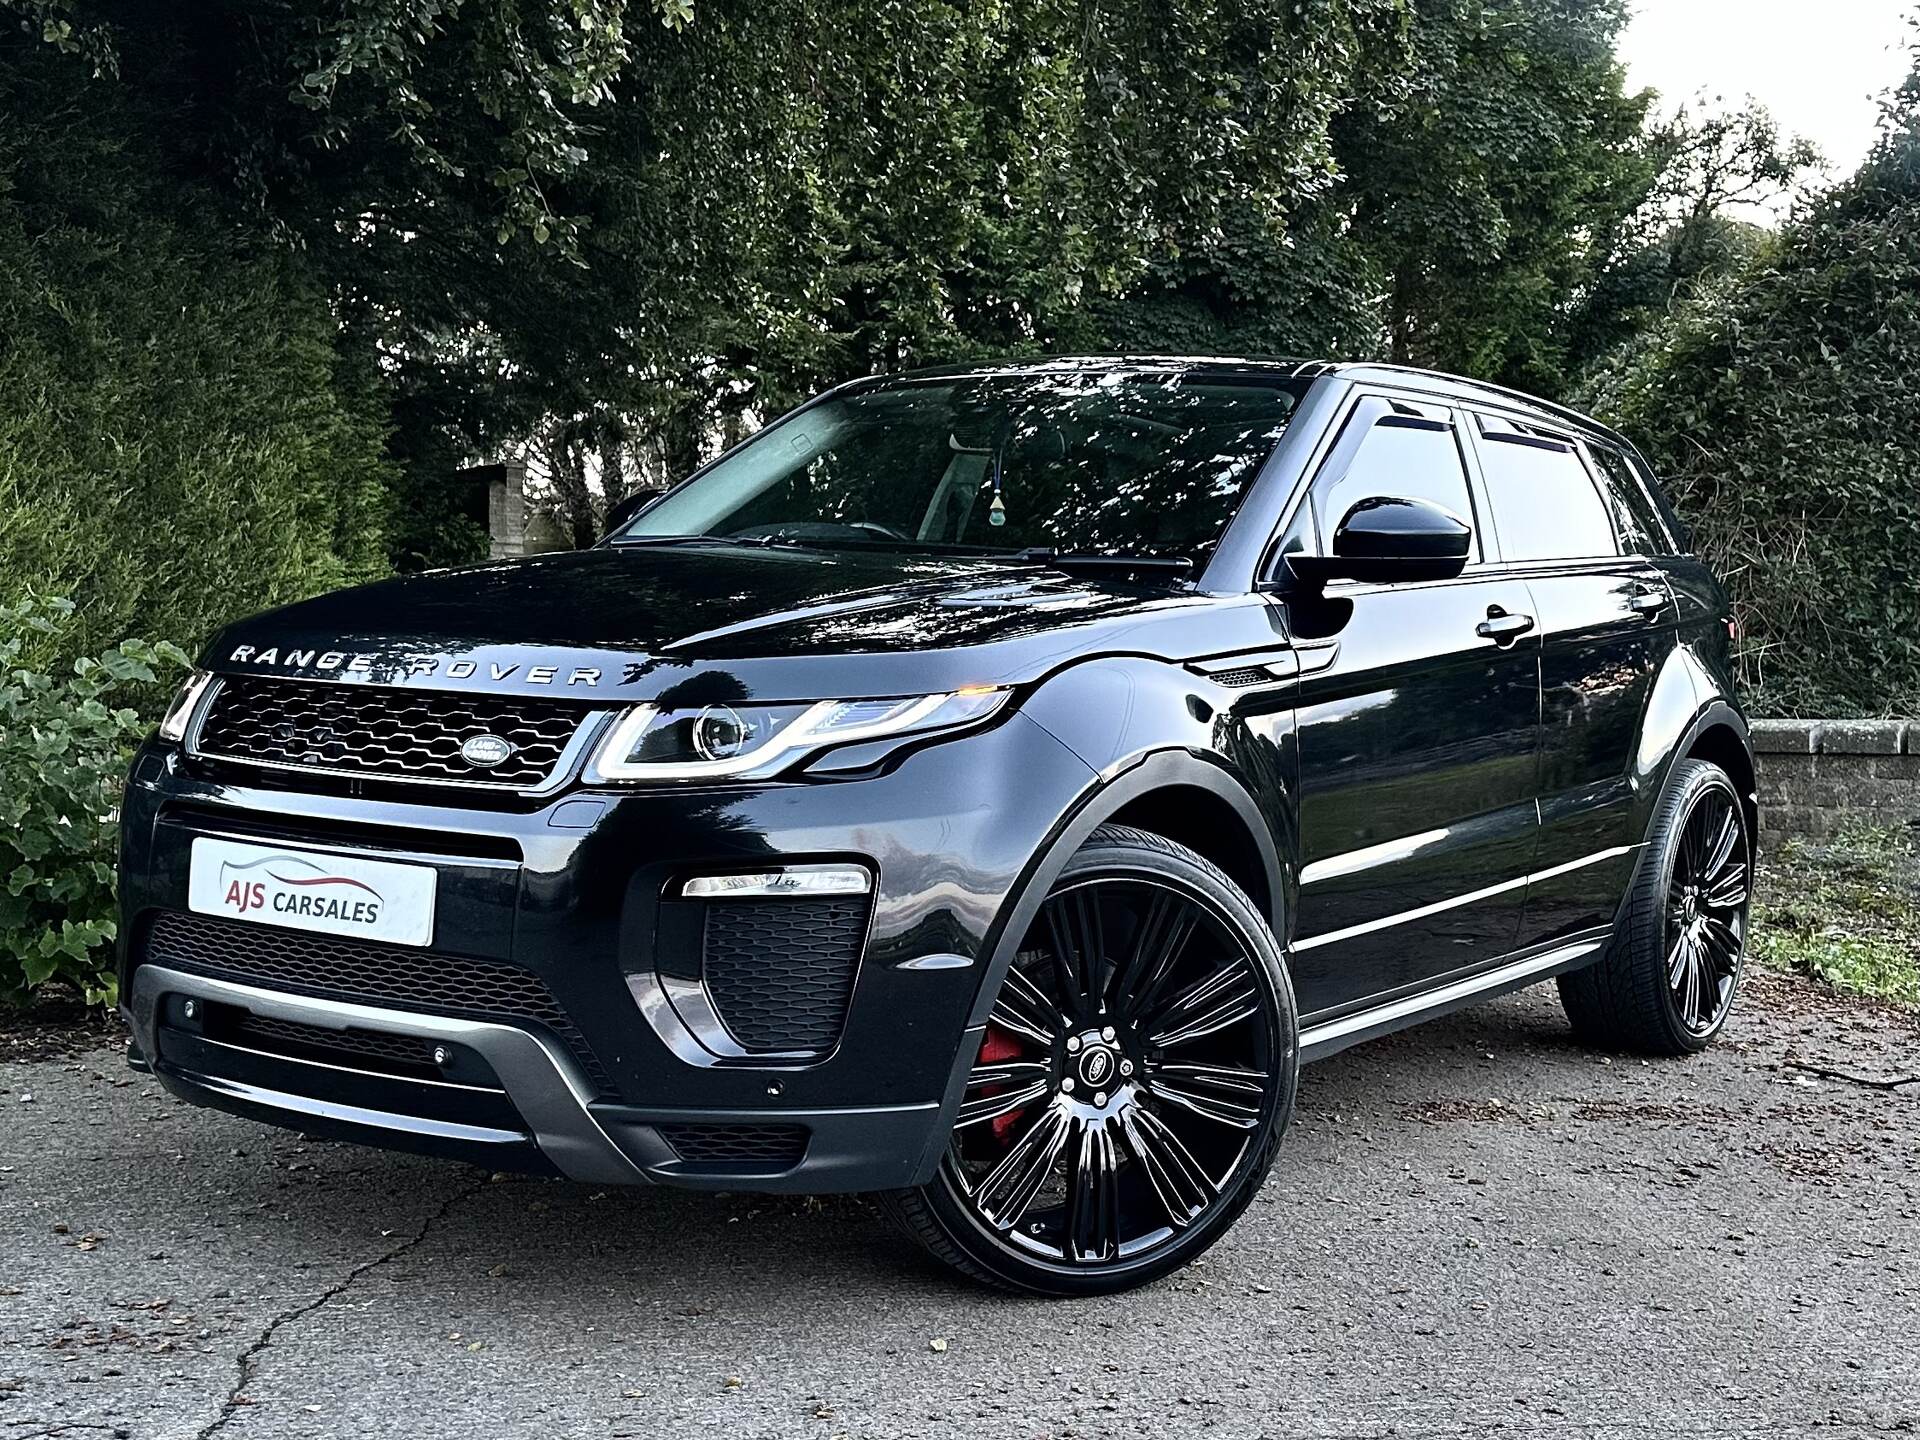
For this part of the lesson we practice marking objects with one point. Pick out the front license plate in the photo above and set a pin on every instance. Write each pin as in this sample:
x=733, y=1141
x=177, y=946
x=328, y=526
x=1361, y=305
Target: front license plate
x=306, y=890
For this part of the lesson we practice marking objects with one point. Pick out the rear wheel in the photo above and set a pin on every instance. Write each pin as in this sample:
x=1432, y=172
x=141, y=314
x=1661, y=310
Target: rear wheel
x=1136, y=1076
x=1668, y=979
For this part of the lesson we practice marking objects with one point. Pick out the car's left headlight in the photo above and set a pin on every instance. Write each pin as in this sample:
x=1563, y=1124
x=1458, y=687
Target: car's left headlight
x=716, y=742
x=173, y=725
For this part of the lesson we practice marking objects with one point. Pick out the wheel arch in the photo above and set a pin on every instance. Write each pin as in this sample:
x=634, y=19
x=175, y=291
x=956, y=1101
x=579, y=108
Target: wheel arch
x=1159, y=785
x=1719, y=735
x=1165, y=792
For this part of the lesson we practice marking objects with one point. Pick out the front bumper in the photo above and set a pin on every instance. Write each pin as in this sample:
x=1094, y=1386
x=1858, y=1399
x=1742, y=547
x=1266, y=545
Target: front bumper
x=570, y=890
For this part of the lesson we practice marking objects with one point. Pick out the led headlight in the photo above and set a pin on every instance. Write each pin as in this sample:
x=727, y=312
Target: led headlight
x=714, y=742
x=173, y=725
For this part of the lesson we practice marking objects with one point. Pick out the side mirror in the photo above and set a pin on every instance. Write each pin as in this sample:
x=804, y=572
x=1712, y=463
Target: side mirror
x=1383, y=539
x=621, y=511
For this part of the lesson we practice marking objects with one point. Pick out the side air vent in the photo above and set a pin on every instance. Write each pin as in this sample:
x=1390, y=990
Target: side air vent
x=780, y=972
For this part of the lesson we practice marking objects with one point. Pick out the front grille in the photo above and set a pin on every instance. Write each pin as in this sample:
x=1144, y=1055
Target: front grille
x=780, y=972
x=362, y=972
x=781, y=1145
x=373, y=730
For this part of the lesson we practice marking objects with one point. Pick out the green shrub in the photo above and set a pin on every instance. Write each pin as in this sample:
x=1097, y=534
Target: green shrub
x=64, y=743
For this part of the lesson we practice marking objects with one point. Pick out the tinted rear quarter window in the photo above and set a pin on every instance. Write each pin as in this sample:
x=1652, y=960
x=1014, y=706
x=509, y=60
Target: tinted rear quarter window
x=1634, y=515
x=1545, y=503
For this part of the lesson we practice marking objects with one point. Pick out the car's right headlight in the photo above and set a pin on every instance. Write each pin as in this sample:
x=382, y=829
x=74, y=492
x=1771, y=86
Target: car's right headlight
x=717, y=742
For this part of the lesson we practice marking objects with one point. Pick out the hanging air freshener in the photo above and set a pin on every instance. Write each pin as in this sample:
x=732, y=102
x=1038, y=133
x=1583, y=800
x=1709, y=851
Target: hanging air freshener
x=997, y=512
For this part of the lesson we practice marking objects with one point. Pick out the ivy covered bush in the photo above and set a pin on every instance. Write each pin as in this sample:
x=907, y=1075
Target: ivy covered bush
x=65, y=737
x=1783, y=412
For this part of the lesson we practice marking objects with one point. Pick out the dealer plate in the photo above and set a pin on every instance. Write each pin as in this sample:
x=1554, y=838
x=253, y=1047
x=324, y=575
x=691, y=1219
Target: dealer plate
x=307, y=890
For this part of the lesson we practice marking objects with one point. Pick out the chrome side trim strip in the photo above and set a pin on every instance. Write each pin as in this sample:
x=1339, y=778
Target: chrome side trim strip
x=1453, y=902
x=1319, y=1041
x=1385, y=853
x=540, y=1078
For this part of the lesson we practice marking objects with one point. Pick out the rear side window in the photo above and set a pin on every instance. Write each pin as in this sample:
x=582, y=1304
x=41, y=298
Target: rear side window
x=1634, y=516
x=1405, y=453
x=1545, y=504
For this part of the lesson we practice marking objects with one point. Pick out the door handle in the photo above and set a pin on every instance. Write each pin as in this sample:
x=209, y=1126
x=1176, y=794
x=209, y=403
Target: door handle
x=1647, y=602
x=1501, y=627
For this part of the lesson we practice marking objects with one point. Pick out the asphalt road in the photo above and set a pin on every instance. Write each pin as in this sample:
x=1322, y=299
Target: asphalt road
x=1475, y=1227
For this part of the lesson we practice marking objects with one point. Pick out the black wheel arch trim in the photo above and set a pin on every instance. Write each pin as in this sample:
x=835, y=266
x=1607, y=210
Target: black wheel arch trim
x=1156, y=770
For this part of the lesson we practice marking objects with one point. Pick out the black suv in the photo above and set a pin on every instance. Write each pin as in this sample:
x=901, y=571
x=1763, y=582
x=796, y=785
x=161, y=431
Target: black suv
x=983, y=787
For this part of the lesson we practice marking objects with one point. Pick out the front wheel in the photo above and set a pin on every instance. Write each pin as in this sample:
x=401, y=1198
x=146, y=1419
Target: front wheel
x=1136, y=1076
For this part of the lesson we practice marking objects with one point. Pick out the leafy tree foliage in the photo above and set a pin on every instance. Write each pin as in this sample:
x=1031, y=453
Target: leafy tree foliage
x=1780, y=408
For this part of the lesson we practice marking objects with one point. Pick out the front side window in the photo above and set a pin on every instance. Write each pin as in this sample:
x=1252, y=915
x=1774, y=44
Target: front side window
x=1405, y=453
x=1544, y=502
x=1105, y=462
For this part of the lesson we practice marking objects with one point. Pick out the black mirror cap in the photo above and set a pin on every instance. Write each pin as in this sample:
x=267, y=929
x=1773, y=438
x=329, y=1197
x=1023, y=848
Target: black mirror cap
x=1386, y=539
x=621, y=511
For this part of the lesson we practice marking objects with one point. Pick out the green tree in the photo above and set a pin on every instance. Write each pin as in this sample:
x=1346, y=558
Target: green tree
x=1779, y=407
x=181, y=442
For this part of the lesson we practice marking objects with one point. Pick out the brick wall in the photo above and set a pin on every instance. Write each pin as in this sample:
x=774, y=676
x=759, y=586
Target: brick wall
x=1817, y=775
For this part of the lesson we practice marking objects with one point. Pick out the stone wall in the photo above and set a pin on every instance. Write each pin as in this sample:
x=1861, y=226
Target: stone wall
x=1817, y=776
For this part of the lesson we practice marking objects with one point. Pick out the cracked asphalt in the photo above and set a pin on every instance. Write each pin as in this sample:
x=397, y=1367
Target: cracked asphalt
x=1475, y=1226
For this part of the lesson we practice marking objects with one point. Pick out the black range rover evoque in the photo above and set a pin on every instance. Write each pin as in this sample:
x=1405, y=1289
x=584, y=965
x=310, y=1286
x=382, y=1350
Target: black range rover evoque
x=983, y=787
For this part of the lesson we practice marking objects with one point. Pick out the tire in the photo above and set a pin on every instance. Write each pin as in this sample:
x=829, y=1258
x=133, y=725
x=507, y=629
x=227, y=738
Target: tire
x=1667, y=981
x=1137, y=1075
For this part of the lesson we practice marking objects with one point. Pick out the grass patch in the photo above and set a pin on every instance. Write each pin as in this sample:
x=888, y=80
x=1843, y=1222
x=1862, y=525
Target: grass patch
x=1845, y=910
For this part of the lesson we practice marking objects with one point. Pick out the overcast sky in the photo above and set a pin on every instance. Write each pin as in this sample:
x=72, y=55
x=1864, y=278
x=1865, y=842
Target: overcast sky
x=1816, y=64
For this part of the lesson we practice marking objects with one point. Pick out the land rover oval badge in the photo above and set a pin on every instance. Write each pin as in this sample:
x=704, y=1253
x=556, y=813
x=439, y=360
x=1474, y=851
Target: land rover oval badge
x=483, y=752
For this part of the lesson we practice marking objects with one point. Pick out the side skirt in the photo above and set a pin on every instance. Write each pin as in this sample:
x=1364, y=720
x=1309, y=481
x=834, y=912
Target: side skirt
x=1330, y=1037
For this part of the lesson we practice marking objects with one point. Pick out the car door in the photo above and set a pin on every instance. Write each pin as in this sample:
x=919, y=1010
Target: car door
x=1606, y=619
x=1417, y=721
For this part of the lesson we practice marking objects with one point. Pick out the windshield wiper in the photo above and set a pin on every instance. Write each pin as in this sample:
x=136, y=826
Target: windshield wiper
x=756, y=542
x=1172, y=566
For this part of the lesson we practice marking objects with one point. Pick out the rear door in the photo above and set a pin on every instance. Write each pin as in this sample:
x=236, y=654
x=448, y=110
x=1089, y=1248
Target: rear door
x=1605, y=616
x=1418, y=712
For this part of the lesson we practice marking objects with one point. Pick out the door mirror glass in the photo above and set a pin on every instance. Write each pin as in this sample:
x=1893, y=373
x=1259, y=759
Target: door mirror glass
x=1388, y=538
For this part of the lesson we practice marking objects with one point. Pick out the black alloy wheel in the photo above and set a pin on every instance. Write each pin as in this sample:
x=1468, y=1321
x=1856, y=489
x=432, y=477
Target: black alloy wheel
x=1137, y=1072
x=1668, y=978
x=1707, y=901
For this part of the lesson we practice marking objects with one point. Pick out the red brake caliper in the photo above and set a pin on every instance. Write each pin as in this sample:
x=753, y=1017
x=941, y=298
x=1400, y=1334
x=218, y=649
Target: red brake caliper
x=996, y=1047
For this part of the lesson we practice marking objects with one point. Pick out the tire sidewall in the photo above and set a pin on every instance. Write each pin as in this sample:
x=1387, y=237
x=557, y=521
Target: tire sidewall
x=1694, y=779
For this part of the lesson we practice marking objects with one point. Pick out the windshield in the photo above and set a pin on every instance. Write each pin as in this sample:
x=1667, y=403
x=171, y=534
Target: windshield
x=1104, y=462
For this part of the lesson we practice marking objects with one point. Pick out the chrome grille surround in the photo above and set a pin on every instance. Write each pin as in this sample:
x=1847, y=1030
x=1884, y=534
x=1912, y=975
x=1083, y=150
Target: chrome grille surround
x=395, y=733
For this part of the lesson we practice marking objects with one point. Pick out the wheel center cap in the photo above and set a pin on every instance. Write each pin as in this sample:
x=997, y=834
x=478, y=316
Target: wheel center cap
x=1096, y=1066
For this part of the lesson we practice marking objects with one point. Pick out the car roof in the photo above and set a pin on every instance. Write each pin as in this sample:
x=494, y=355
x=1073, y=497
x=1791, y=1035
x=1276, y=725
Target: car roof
x=1431, y=382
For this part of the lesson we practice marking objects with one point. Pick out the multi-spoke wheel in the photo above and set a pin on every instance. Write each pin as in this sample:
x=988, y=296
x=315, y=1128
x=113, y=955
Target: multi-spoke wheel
x=1668, y=978
x=1135, y=1077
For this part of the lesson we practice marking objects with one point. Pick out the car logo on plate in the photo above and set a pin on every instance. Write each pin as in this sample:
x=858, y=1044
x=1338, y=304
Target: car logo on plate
x=485, y=751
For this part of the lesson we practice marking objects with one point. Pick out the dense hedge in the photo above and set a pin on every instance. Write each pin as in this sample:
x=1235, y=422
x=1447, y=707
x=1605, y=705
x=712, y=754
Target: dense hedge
x=1784, y=412
x=178, y=441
